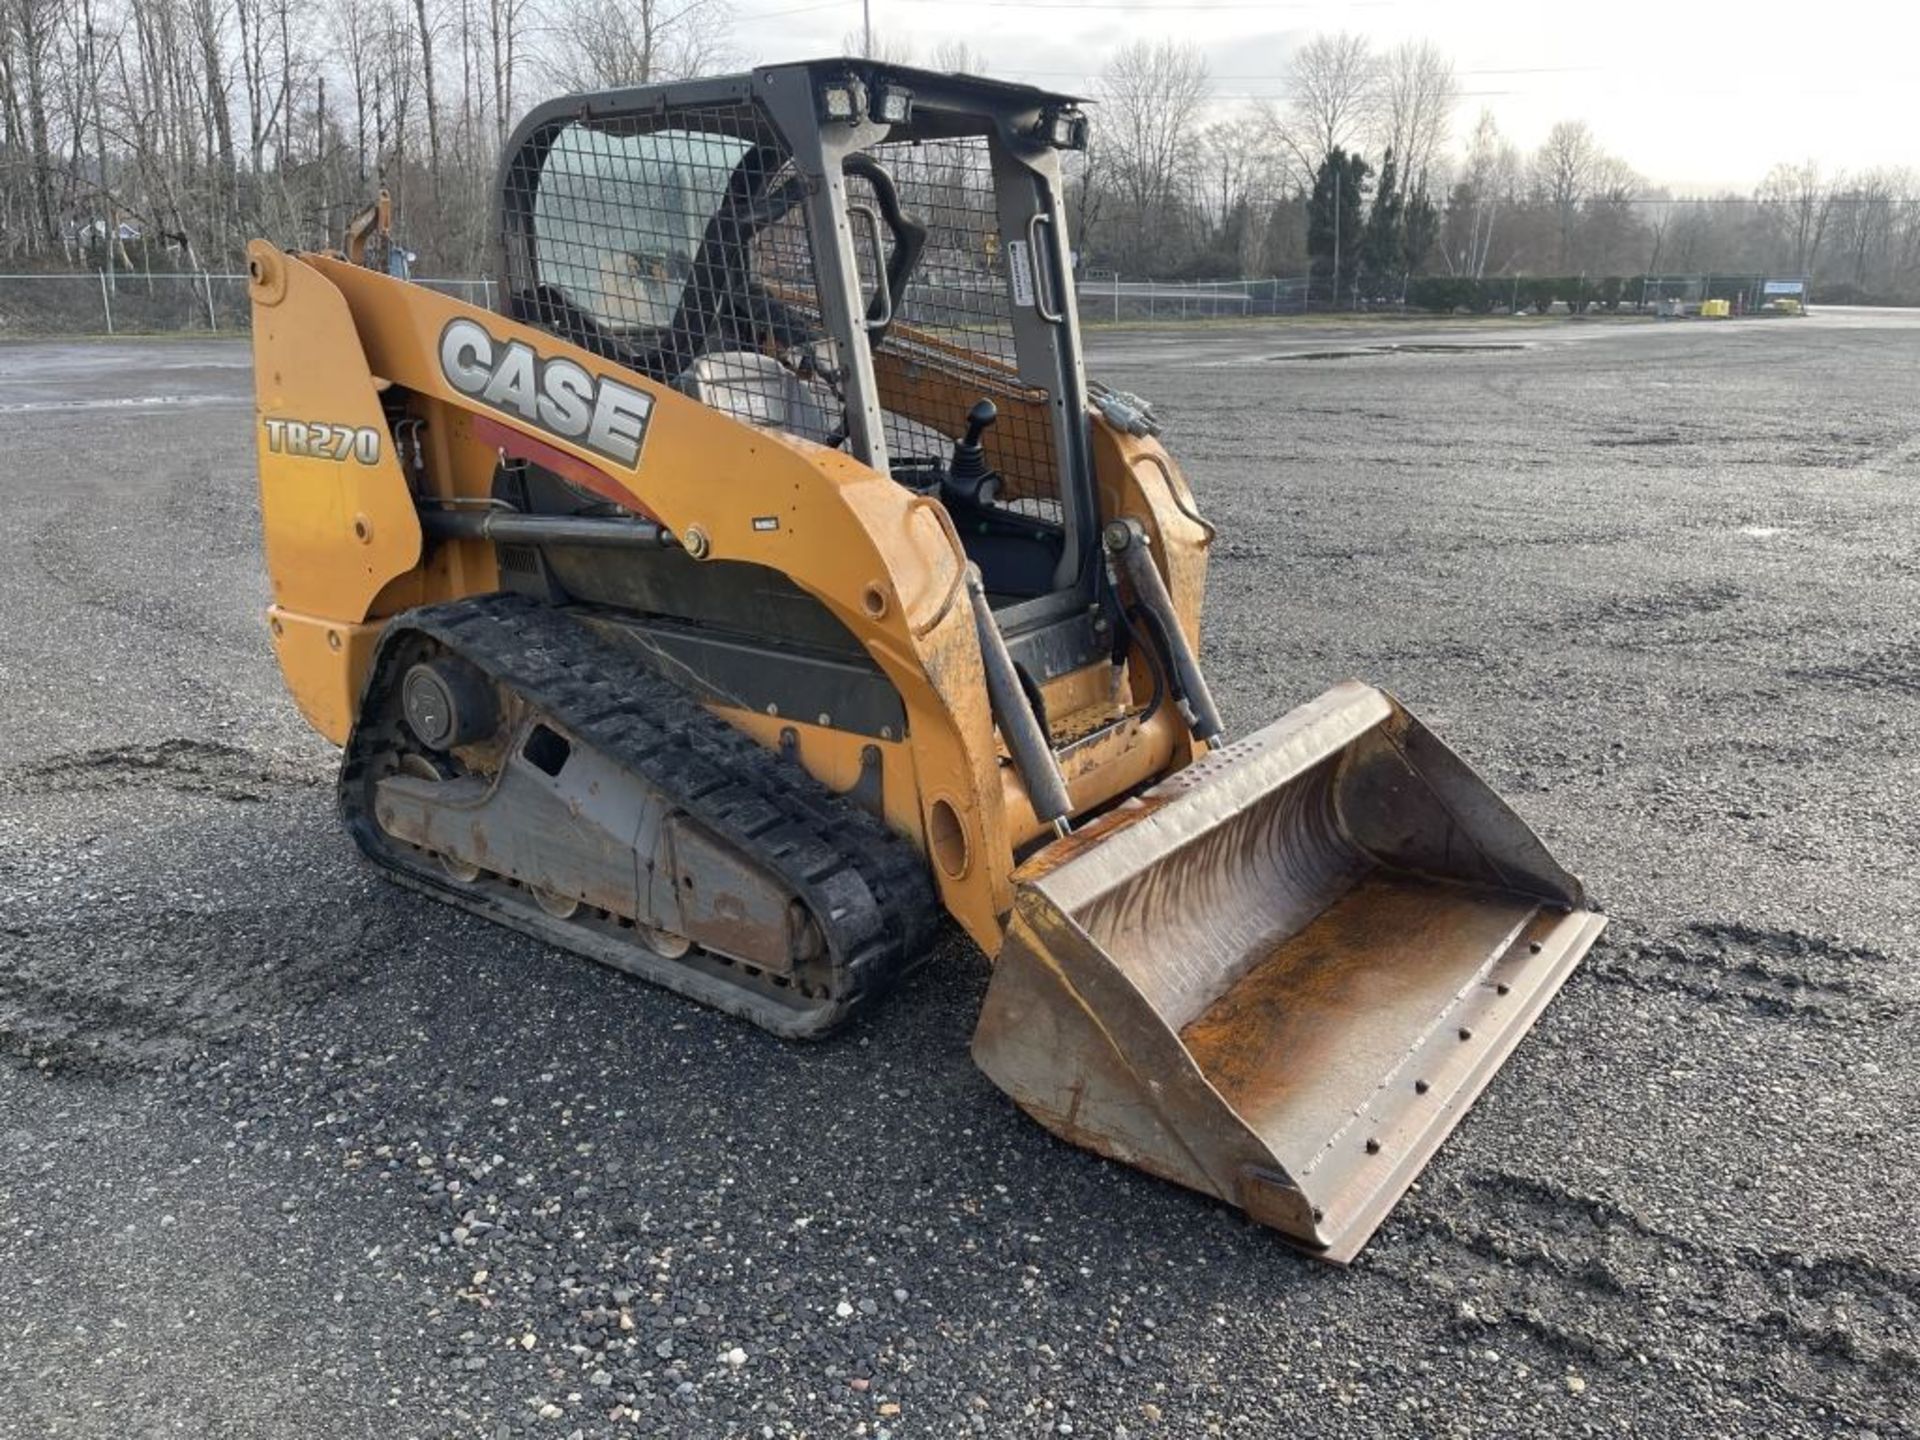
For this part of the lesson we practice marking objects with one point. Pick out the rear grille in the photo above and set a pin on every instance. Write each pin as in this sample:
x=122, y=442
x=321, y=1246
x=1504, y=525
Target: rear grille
x=518, y=559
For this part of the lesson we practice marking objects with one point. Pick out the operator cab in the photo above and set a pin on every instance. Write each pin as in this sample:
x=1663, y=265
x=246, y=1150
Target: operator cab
x=863, y=256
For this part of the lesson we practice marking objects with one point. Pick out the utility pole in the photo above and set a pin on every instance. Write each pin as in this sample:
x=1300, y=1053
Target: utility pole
x=1339, y=177
x=866, y=21
x=111, y=235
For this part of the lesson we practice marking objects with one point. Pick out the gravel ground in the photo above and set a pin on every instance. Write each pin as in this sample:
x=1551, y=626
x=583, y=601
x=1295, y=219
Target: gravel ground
x=285, y=1150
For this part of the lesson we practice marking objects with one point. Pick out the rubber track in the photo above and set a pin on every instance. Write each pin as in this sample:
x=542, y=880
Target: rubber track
x=867, y=889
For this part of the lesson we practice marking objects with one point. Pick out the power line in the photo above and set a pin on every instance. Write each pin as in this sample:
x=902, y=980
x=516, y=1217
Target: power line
x=1153, y=6
x=794, y=10
x=1772, y=91
x=1692, y=94
x=1496, y=70
x=1899, y=201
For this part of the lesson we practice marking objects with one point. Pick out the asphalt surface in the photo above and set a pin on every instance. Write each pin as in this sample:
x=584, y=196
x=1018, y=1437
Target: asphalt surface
x=288, y=1151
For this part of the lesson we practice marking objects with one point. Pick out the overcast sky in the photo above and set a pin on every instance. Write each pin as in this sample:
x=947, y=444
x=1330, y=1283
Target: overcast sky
x=1692, y=95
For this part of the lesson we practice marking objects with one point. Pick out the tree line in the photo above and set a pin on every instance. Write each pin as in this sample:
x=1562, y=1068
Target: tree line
x=183, y=128
x=1360, y=179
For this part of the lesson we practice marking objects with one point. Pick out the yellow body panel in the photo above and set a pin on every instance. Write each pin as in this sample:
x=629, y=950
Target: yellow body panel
x=338, y=529
x=325, y=663
x=330, y=337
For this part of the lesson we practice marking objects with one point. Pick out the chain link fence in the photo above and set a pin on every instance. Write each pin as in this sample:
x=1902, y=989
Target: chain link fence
x=137, y=303
x=1108, y=296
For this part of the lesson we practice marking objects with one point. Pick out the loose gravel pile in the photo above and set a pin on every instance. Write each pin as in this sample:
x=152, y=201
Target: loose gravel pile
x=287, y=1151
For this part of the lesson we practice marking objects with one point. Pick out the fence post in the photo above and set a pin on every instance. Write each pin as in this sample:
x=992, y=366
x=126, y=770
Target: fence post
x=213, y=325
x=1116, y=297
x=106, y=301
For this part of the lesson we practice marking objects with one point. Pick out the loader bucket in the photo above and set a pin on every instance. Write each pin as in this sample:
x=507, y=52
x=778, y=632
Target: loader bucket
x=1281, y=976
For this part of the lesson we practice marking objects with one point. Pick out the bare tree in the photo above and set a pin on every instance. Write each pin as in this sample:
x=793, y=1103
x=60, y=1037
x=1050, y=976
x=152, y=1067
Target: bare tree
x=1904, y=243
x=1658, y=219
x=354, y=29
x=1088, y=179
x=209, y=30
x=31, y=25
x=265, y=84
x=957, y=57
x=1563, y=173
x=507, y=22
x=1152, y=94
x=1864, y=225
x=426, y=77
x=1609, y=238
x=869, y=44
x=1332, y=95
x=393, y=92
x=1234, y=184
x=1801, y=199
x=1488, y=179
x=1232, y=168
x=637, y=42
x=1414, y=104
x=1611, y=181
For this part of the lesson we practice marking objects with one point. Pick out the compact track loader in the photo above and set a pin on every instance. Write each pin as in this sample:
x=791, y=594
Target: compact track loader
x=761, y=577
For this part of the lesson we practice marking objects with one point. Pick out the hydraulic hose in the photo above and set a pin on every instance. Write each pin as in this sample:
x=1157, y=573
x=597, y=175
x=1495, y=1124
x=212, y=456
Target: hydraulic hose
x=1127, y=541
x=1019, y=727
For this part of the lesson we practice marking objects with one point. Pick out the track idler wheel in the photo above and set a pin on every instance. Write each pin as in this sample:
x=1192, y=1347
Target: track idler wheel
x=664, y=943
x=557, y=904
x=448, y=703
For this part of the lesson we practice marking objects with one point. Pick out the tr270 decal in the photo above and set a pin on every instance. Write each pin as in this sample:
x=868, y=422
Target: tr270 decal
x=318, y=440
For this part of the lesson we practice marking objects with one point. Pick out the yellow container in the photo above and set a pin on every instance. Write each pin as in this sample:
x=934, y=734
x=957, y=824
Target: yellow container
x=1716, y=309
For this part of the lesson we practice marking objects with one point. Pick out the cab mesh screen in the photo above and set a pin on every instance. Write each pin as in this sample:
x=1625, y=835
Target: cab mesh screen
x=677, y=246
x=952, y=341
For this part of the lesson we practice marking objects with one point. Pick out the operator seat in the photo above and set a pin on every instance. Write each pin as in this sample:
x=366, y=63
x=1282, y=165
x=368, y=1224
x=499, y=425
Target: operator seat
x=760, y=390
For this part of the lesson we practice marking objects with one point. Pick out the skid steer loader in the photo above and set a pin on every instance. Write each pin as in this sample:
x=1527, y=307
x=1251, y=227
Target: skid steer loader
x=758, y=576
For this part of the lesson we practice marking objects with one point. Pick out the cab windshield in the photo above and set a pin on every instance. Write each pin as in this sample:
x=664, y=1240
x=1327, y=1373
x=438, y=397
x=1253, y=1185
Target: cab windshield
x=619, y=219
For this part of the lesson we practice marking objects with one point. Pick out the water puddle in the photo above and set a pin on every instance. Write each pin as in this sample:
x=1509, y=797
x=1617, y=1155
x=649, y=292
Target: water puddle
x=1412, y=347
x=127, y=402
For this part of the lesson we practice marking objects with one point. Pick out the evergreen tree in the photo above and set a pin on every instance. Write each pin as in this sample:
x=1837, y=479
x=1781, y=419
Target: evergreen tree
x=1420, y=229
x=1333, y=215
x=1381, y=248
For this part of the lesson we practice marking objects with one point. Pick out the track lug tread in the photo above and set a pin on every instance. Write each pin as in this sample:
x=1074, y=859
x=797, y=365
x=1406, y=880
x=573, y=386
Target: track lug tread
x=868, y=889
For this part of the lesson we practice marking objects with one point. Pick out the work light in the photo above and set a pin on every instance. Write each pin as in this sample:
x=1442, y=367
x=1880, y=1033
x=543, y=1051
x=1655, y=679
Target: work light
x=840, y=100
x=895, y=105
x=1064, y=129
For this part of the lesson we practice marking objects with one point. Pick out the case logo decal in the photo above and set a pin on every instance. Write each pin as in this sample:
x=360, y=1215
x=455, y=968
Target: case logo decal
x=551, y=393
